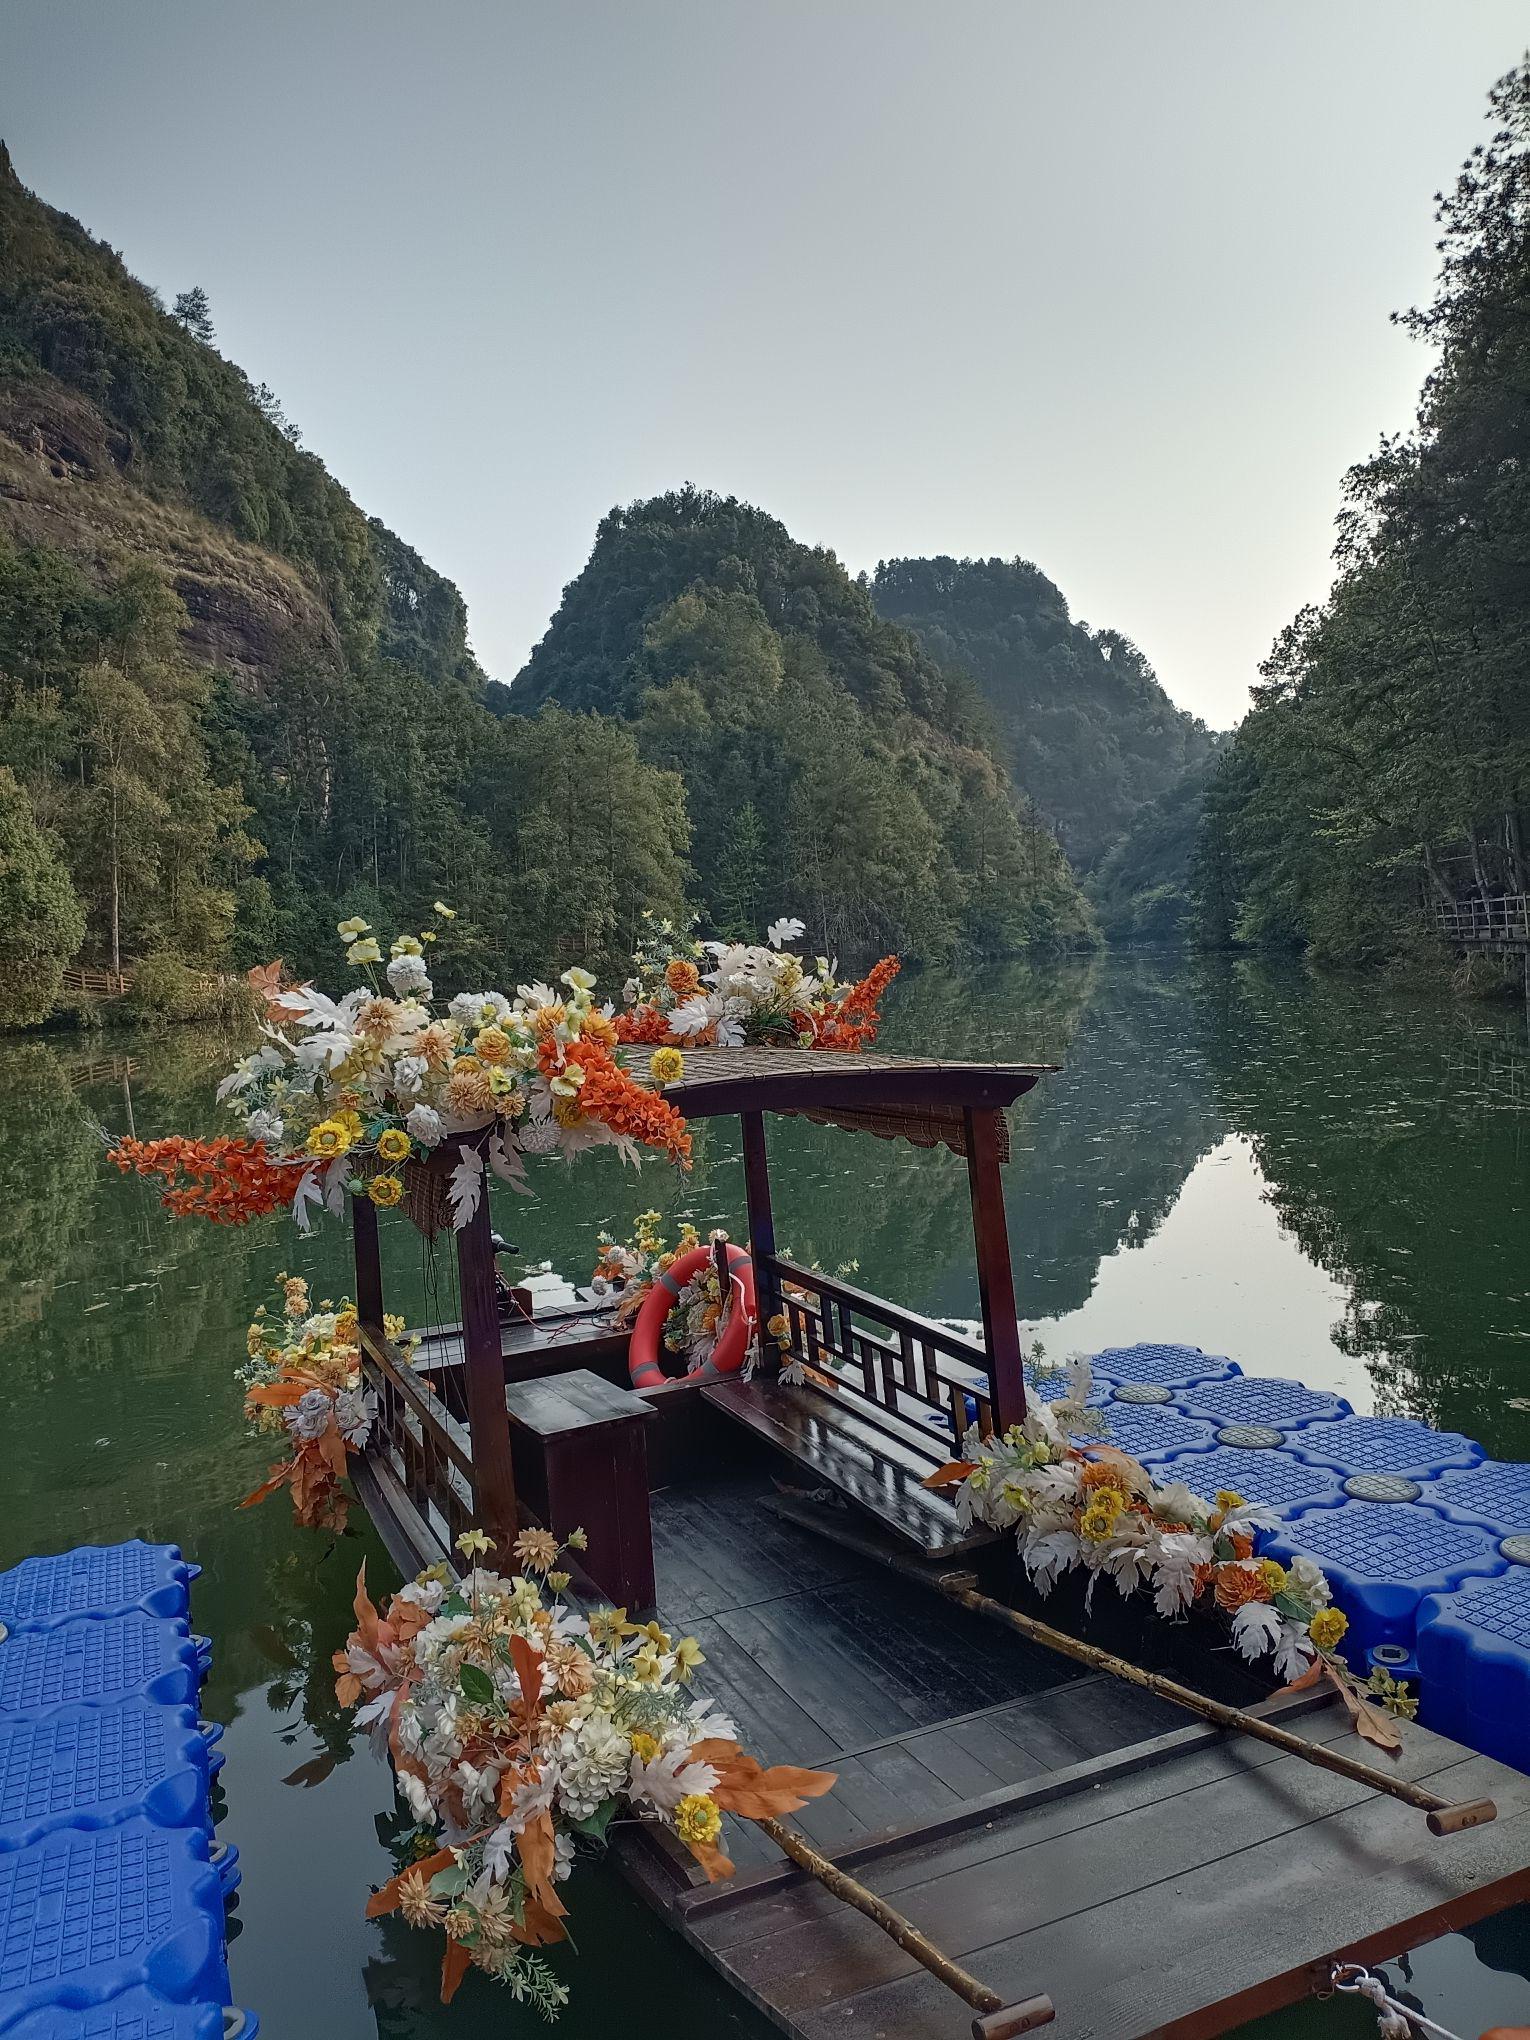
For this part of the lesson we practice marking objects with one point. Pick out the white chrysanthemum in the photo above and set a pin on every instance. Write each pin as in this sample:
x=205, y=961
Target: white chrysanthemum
x=264, y=1125
x=423, y=1124
x=407, y=973
x=479, y=1009
x=592, y=1761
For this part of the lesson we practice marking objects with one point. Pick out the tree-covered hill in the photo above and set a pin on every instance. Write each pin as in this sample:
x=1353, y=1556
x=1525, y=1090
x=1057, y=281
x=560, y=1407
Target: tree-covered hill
x=1386, y=764
x=1144, y=886
x=832, y=768
x=233, y=708
x=1085, y=726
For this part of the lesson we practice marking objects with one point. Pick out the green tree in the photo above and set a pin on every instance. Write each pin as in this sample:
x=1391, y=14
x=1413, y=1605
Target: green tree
x=194, y=312
x=41, y=923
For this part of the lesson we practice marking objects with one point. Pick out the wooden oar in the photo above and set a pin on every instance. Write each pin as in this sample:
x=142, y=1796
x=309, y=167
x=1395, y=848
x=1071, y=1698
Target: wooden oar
x=995, y=2020
x=1445, y=1817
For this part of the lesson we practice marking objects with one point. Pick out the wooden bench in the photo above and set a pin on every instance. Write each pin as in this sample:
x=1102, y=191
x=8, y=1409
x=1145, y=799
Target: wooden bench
x=863, y=1460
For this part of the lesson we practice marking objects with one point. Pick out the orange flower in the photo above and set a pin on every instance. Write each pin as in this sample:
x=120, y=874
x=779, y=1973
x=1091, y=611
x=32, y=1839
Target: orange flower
x=610, y=1095
x=643, y=1024
x=852, y=1022
x=1099, y=1474
x=468, y=1094
x=1237, y=1584
x=596, y=1027
x=228, y=1182
x=681, y=977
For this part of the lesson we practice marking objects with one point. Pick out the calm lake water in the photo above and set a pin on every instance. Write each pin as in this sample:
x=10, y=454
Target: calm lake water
x=1315, y=1178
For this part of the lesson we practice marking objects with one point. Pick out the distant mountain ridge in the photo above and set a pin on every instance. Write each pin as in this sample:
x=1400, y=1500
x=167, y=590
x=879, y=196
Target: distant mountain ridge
x=1084, y=723
x=832, y=768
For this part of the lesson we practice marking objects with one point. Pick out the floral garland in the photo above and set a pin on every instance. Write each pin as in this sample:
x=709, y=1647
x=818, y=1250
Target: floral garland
x=519, y=1729
x=1074, y=1504
x=754, y=993
x=352, y=1095
x=302, y=1382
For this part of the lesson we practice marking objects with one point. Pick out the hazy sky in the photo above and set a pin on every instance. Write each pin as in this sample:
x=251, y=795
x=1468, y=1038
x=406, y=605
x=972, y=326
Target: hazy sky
x=1105, y=283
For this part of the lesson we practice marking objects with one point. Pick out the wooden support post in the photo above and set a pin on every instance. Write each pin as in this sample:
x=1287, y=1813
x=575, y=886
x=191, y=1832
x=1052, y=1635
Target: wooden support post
x=996, y=1279
x=369, y=1284
x=762, y=1225
x=483, y=1365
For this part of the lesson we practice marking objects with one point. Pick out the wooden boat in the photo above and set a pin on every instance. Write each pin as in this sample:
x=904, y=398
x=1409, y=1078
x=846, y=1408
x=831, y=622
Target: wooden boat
x=1093, y=1852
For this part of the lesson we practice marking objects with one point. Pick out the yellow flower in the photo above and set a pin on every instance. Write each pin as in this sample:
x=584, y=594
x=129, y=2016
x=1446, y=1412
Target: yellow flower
x=644, y=1746
x=779, y=1326
x=472, y=1541
x=607, y=1624
x=658, y=1637
x=688, y=1656
x=385, y=1190
x=440, y=907
x=579, y=1540
x=1274, y=1575
x=1327, y=1628
x=347, y=1328
x=559, y=1581
x=393, y=1324
x=364, y=951
x=491, y=1044
x=393, y=1145
x=646, y=1666
x=329, y=1138
x=1097, y=1524
x=1227, y=1499
x=353, y=929
x=667, y=1065
x=569, y=1113
x=697, y=1818
x=405, y=945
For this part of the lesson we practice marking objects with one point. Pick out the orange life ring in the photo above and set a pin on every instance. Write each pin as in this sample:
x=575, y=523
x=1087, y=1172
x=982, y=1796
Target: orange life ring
x=727, y=1356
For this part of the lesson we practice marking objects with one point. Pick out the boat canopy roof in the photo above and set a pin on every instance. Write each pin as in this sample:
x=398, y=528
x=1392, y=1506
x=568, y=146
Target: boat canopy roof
x=893, y=1096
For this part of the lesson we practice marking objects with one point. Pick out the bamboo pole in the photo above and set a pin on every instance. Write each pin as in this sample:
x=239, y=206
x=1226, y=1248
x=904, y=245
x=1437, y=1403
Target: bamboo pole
x=995, y=2020
x=1446, y=1817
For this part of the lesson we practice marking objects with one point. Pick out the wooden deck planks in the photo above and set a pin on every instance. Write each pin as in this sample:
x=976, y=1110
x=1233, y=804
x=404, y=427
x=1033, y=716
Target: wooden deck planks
x=1137, y=1906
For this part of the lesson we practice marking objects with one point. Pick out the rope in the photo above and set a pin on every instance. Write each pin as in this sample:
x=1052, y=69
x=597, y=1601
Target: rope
x=1394, y=2021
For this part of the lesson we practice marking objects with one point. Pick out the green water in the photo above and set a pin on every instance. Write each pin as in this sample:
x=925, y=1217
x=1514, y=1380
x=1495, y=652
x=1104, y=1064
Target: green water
x=1316, y=1179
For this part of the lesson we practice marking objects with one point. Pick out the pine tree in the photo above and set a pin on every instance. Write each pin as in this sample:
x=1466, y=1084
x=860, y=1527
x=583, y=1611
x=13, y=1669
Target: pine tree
x=195, y=314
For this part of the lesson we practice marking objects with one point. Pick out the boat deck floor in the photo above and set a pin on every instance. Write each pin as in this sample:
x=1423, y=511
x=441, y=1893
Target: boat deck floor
x=823, y=1657
x=1054, y=1831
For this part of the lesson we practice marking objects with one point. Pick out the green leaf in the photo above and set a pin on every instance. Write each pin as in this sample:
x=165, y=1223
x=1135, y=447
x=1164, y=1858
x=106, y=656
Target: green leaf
x=594, y=1825
x=476, y=1685
x=450, y=1882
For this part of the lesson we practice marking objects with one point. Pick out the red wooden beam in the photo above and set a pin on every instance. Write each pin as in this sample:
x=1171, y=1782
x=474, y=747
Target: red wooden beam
x=996, y=1279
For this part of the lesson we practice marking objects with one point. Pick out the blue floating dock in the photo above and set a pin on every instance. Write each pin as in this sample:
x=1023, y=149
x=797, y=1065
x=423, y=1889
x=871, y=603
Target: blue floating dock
x=112, y=1886
x=1425, y=1540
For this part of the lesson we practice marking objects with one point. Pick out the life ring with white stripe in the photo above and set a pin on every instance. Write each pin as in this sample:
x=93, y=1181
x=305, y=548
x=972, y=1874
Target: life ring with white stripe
x=727, y=1356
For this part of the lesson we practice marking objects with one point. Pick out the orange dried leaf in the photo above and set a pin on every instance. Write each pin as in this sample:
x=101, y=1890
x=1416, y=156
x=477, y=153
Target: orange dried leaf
x=455, y=1964
x=385, y=1898
x=949, y=1475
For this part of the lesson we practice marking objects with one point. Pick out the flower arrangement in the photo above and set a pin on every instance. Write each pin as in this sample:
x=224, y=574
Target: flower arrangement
x=353, y=1094
x=362, y=1093
x=519, y=1729
x=302, y=1383
x=1075, y=1504
x=752, y=993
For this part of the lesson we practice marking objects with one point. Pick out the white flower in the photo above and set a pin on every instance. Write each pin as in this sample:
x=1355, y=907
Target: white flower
x=309, y=1416
x=417, y=1792
x=563, y=1856
x=265, y=1126
x=592, y=1764
x=578, y=980
x=668, y=1778
x=355, y=1413
x=1175, y=1503
x=424, y=1125
x=691, y=1016
x=1310, y=1581
x=783, y=931
x=407, y=973
x=479, y=1009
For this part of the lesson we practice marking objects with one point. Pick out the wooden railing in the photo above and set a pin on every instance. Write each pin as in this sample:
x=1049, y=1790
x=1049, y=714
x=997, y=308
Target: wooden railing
x=893, y=1365
x=85, y=981
x=1486, y=923
x=419, y=1439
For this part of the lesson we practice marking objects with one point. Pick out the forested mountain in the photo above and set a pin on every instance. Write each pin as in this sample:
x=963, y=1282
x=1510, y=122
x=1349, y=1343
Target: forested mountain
x=1386, y=763
x=832, y=768
x=232, y=707
x=1087, y=730
x=1144, y=886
